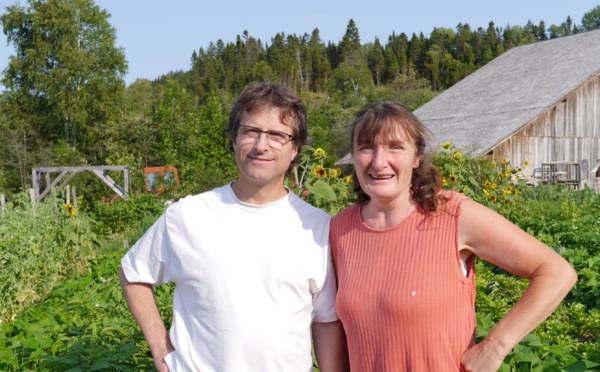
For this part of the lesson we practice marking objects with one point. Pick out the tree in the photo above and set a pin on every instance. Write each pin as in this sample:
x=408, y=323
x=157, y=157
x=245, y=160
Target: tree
x=321, y=67
x=349, y=48
x=376, y=61
x=65, y=78
x=591, y=19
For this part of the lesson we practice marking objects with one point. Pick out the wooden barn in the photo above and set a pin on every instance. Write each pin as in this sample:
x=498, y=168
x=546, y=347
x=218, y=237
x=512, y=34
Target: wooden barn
x=538, y=103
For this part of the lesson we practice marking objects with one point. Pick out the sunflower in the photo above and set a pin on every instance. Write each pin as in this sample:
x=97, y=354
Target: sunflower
x=507, y=173
x=319, y=153
x=494, y=185
x=504, y=160
x=493, y=198
x=70, y=209
x=319, y=171
x=444, y=182
x=485, y=192
x=457, y=155
x=348, y=180
x=453, y=178
x=447, y=145
x=525, y=163
x=335, y=172
x=487, y=184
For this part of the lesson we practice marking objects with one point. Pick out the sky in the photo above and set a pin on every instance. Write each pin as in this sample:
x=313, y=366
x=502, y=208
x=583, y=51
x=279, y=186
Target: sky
x=160, y=36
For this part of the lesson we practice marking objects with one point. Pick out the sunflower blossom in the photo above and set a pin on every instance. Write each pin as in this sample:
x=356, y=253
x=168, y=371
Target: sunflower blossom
x=319, y=153
x=70, y=209
x=319, y=171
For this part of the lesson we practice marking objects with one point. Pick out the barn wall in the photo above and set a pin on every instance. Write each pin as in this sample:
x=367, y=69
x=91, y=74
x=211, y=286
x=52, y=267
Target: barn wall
x=568, y=131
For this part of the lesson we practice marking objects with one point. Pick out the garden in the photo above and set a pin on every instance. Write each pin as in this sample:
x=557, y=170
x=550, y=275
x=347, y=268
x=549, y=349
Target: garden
x=63, y=309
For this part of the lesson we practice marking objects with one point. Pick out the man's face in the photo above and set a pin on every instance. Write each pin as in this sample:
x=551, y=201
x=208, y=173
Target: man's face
x=261, y=159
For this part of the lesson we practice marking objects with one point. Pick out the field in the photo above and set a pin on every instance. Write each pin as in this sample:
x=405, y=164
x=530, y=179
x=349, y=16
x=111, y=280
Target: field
x=62, y=307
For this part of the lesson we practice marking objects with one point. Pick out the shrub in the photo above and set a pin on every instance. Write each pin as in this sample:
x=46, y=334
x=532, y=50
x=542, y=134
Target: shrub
x=116, y=215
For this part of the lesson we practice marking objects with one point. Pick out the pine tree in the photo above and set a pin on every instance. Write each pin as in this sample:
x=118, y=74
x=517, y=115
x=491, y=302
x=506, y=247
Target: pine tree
x=349, y=49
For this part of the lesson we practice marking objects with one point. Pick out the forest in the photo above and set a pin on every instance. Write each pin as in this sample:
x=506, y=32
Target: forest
x=65, y=103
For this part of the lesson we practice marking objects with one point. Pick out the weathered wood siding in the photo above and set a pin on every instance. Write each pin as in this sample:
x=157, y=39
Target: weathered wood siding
x=568, y=131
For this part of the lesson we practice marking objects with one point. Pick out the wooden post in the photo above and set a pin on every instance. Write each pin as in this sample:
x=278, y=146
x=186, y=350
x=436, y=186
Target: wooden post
x=68, y=195
x=2, y=202
x=125, y=244
x=33, y=198
x=74, y=197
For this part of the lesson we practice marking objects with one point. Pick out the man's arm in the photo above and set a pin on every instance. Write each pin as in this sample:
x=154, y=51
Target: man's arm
x=330, y=346
x=141, y=302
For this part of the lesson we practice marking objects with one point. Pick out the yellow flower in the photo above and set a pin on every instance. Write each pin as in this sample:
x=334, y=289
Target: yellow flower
x=444, y=182
x=348, y=180
x=453, y=178
x=519, y=170
x=319, y=171
x=457, y=155
x=504, y=161
x=485, y=192
x=507, y=190
x=494, y=185
x=335, y=172
x=487, y=184
x=447, y=145
x=525, y=163
x=493, y=198
x=507, y=173
x=319, y=153
x=70, y=209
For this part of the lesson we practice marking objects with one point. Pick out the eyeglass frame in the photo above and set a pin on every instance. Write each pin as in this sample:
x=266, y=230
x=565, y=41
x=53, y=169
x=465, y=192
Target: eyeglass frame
x=267, y=133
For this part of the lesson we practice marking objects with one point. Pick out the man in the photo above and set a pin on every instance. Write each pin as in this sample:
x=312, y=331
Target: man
x=250, y=260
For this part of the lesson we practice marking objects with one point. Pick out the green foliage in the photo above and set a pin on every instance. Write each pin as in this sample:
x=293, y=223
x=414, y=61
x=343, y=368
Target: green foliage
x=84, y=325
x=116, y=215
x=562, y=342
x=496, y=185
x=39, y=247
x=591, y=19
x=319, y=182
x=66, y=77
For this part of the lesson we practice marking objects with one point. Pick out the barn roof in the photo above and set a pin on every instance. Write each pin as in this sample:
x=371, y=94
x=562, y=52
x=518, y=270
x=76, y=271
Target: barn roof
x=491, y=104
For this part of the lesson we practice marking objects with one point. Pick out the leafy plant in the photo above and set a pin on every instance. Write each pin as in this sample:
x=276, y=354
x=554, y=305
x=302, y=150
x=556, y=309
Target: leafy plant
x=321, y=183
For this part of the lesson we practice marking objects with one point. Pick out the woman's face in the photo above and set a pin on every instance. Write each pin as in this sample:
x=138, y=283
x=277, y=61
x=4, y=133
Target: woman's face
x=384, y=168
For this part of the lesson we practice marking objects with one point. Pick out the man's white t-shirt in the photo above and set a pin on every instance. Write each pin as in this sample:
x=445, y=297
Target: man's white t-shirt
x=249, y=280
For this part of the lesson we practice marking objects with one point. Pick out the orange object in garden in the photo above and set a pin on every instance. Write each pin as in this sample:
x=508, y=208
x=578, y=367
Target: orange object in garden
x=158, y=178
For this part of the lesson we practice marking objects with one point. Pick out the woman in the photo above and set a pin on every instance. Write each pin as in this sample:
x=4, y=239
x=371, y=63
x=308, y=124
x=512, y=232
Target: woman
x=405, y=256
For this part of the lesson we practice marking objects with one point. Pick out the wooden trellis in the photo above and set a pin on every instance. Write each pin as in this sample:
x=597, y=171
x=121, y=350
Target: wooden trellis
x=67, y=173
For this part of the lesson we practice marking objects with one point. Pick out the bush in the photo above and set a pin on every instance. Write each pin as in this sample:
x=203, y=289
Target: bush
x=116, y=215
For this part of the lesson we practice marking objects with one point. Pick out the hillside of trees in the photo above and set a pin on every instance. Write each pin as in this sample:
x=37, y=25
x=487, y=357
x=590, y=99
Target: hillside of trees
x=66, y=103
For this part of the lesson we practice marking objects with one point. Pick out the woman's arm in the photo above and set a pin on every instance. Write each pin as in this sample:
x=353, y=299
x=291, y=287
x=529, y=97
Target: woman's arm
x=493, y=238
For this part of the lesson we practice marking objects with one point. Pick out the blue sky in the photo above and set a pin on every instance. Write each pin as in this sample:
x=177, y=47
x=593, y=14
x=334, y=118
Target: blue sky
x=160, y=36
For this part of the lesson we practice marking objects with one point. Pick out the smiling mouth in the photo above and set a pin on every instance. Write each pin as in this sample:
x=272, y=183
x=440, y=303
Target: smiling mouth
x=258, y=159
x=382, y=177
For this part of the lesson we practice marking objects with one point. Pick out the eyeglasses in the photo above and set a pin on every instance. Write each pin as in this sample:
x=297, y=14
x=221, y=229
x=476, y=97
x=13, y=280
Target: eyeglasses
x=276, y=139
